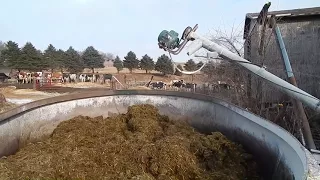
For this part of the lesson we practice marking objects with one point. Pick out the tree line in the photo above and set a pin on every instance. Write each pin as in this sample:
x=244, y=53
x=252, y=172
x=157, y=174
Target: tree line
x=163, y=64
x=31, y=59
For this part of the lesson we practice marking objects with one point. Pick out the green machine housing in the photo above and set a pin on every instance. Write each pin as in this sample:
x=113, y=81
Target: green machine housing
x=168, y=39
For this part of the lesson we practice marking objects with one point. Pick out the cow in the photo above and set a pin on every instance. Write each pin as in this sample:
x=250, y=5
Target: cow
x=73, y=77
x=104, y=77
x=190, y=86
x=28, y=78
x=22, y=78
x=224, y=85
x=38, y=76
x=178, y=84
x=57, y=76
x=82, y=77
x=89, y=78
x=94, y=78
x=66, y=78
x=158, y=85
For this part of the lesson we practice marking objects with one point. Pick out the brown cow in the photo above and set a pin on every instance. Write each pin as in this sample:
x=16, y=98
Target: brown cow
x=57, y=76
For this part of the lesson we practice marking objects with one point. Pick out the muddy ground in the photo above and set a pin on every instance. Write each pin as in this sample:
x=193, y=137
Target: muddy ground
x=53, y=89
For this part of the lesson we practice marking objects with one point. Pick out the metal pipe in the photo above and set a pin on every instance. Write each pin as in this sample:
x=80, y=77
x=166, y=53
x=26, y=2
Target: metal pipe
x=184, y=43
x=300, y=111
x=288, y=88
x=283, y=52
x=194, y=47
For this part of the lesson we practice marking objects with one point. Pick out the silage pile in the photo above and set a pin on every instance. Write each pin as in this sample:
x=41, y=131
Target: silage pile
x=141, y=144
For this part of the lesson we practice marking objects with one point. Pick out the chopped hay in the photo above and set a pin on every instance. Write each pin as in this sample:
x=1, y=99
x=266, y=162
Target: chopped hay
x=140, y=145
x=5, y=106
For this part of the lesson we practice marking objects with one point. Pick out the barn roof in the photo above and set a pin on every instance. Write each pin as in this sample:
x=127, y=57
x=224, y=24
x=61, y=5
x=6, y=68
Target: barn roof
x=3, y=75
x=293, y=13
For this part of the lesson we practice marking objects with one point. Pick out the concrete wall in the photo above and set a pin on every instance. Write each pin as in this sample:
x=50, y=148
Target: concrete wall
x=278, y=152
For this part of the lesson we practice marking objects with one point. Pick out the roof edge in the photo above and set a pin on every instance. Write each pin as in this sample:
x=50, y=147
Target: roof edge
x=313, y=11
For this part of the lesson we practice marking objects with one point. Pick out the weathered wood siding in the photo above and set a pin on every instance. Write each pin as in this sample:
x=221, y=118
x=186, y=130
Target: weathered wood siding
x=302, y=40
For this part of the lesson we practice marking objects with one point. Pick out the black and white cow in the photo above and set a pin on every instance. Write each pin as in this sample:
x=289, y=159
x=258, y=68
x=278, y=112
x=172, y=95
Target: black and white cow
x=178, y=84
x=66, y=78
x=73, y=77
x=190, y=86
x=158, y=85
x=91, y=78
x=224, y=85
x=82, y=77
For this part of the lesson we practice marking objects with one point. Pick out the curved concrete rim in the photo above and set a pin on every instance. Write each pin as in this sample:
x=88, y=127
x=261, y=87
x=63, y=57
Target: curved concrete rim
x=10, y=115
x=69, y=97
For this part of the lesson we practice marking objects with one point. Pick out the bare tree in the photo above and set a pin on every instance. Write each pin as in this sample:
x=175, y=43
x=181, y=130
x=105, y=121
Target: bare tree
x=232, y=40
x=279, y=113
x=226, y=71
x=107, y=56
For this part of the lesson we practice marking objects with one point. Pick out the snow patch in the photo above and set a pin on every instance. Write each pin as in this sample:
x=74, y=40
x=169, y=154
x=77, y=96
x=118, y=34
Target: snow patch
x=19, y=101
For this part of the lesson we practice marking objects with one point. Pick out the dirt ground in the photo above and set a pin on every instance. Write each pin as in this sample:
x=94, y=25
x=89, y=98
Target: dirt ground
x=13, y=92
x=143, y=77
x=85, y=85
x=17, y=94
x=21, y=94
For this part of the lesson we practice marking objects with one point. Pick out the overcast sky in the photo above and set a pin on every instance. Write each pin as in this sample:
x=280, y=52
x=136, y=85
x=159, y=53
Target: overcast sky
x=119, y=26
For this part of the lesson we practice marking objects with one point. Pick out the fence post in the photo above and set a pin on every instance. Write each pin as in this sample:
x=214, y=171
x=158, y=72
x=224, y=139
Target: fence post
x=34, y=83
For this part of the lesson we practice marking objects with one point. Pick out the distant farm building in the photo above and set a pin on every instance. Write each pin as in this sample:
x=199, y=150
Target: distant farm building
x=3, y=77
x=300, y=29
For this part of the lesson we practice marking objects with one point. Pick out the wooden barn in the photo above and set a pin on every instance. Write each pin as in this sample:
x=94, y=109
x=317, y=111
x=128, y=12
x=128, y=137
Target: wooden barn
x=300, y=29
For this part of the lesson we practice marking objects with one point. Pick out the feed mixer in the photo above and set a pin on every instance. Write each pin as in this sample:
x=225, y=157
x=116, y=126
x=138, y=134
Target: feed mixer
x=280, y=154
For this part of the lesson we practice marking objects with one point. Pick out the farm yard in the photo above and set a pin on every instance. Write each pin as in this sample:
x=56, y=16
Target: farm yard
x=29, y=87
x=88, y=91
x=54, y=72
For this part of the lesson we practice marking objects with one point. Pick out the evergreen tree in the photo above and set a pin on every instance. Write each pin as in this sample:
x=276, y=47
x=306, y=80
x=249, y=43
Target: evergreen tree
x=92, y=58
x=31, y=59
x=118, y=64
x=178, y=73
x=51, y=58
x=130, y=61
x=74, y=63
x=2, y=48
x=147, y=63
x=11, y=55
x=199, y=65
x=190, y=65
x=61, y=60
x=164, y=65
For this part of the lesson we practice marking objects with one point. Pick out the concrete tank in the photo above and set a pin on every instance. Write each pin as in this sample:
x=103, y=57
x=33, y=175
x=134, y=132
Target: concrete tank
x=277, y=151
